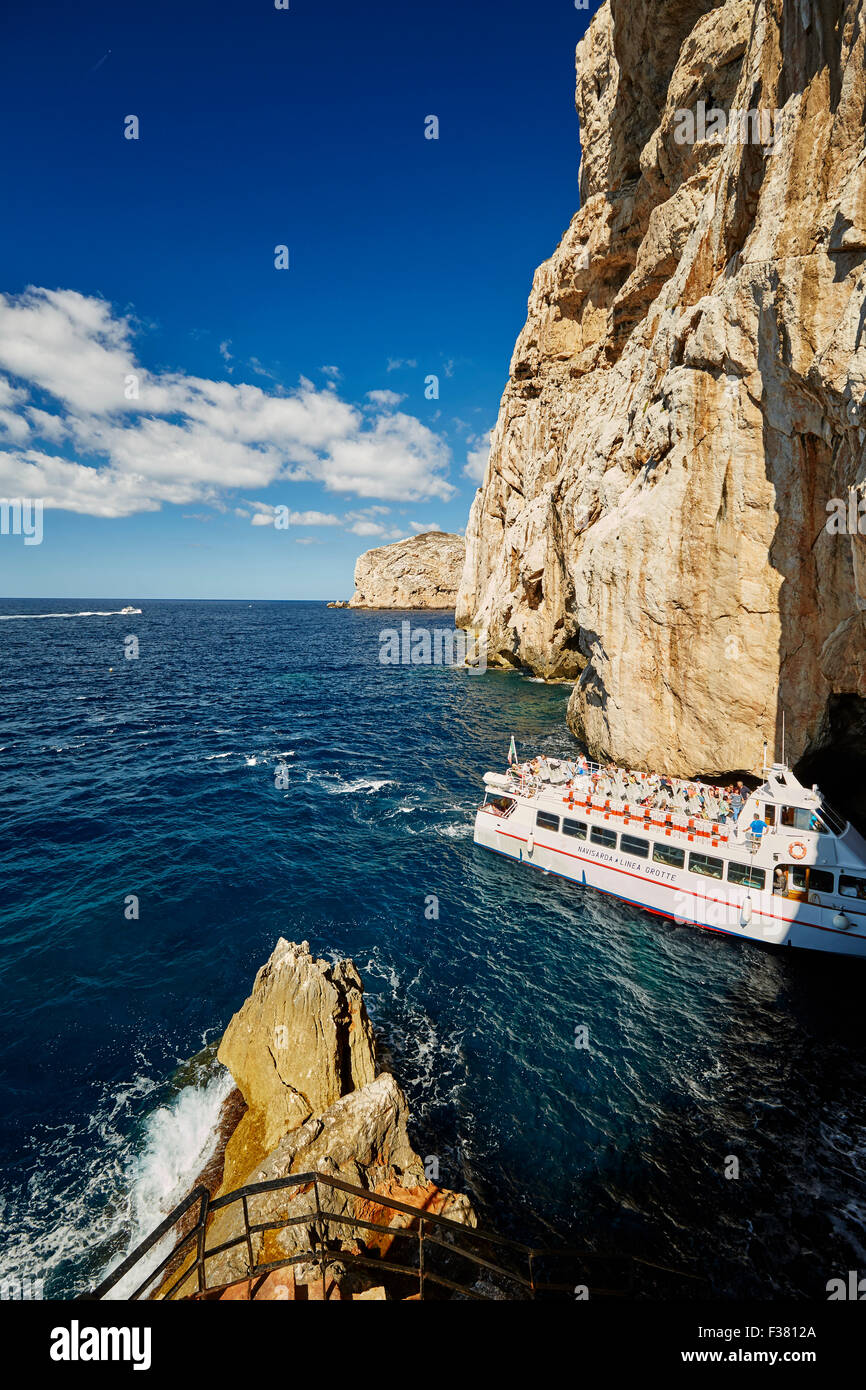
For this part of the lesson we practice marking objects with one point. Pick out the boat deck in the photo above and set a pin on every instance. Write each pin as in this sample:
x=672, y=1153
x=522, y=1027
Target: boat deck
x=574, y=794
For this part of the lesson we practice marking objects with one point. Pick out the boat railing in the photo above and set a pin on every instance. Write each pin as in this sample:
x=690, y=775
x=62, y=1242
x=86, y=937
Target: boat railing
x=668, y=819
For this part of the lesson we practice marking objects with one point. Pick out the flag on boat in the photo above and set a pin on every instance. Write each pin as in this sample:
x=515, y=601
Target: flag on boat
x=512, y=752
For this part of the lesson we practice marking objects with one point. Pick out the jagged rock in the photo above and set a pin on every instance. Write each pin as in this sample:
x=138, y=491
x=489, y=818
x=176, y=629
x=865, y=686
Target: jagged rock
x=362, y=1139
x=301, y=1052
x=301, y=1041
x=689, y=393
x=421, y=572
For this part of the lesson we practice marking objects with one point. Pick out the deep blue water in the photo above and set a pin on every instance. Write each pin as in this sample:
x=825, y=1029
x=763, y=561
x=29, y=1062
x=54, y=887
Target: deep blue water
x=156, y=777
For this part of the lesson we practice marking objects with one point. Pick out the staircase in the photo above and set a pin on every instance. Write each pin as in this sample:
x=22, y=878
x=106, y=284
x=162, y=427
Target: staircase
x=372, y=1247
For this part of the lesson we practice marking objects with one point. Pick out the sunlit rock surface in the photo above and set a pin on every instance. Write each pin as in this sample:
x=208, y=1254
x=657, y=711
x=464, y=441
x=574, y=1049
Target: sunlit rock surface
x=302, y=1054
x=421, y=572
x=689, y=393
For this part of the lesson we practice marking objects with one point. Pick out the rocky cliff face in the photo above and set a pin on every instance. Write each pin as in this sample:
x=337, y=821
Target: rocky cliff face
x=421, y=572
x=302, y=1054
x=689, y=393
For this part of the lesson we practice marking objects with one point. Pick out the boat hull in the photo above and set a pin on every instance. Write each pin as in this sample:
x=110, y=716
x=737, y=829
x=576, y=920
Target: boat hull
x=748, y=914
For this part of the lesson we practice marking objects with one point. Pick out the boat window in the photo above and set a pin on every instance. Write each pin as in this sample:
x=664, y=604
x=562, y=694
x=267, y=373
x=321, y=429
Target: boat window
x=820, y=881
x=750, y=878
x=545, y=821
x=706, y=866
x=669, y=854
x=769, y=814
x=632, y=844
x=790, y=880
x=576, y=828
x=801, y=818
x=600, y=836
x=851, y=887
x=838, y=824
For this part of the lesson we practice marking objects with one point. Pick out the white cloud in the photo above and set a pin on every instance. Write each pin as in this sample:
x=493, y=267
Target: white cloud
x=144, y=438
x=374, y=528
x=364, y=512
x=420, y=526
x=14, y=426
x=476, y=459
x=385, y=398
x=397, y=457
x=74, y=487
x=395, y=363
x=11, y=395
x=267, y=515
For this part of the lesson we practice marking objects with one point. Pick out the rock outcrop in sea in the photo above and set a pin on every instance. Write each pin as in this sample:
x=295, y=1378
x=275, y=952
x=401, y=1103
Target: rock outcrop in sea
x=421, y=572
x=688, y=396
x=302, y=1054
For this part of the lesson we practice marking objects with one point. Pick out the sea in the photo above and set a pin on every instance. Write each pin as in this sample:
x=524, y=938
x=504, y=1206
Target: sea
x=182, y=787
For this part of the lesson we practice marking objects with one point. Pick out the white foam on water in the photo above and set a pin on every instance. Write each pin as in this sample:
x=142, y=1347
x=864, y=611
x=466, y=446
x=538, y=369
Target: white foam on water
x=336, y=785
x=367, y=785
x=93, y=1187
x=267, y=757
x=180, y=1138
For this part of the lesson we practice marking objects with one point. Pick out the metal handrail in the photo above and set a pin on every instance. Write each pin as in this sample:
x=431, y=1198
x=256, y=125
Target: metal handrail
x=431, y=1230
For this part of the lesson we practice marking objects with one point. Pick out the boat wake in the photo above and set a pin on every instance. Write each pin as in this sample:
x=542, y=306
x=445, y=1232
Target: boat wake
x=90, y=613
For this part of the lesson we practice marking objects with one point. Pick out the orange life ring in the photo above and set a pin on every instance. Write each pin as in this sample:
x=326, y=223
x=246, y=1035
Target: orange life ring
x=798, y=849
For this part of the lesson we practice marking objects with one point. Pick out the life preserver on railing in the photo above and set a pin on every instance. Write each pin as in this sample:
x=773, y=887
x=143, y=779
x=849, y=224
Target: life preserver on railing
x=797, y=849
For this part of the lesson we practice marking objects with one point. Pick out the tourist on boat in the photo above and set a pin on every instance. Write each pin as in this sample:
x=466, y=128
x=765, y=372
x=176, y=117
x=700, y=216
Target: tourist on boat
x=758, y=827
x=737, y=801
x=780, y=881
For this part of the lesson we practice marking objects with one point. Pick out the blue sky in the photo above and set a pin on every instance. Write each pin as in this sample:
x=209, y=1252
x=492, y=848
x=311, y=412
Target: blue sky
x=153, y=260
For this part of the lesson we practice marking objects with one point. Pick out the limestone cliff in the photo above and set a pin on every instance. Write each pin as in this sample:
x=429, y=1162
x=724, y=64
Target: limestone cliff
x=689, y=394
x=421, y=572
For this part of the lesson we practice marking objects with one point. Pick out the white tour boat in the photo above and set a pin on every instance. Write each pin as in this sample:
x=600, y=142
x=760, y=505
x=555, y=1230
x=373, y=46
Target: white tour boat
x=783, y=869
